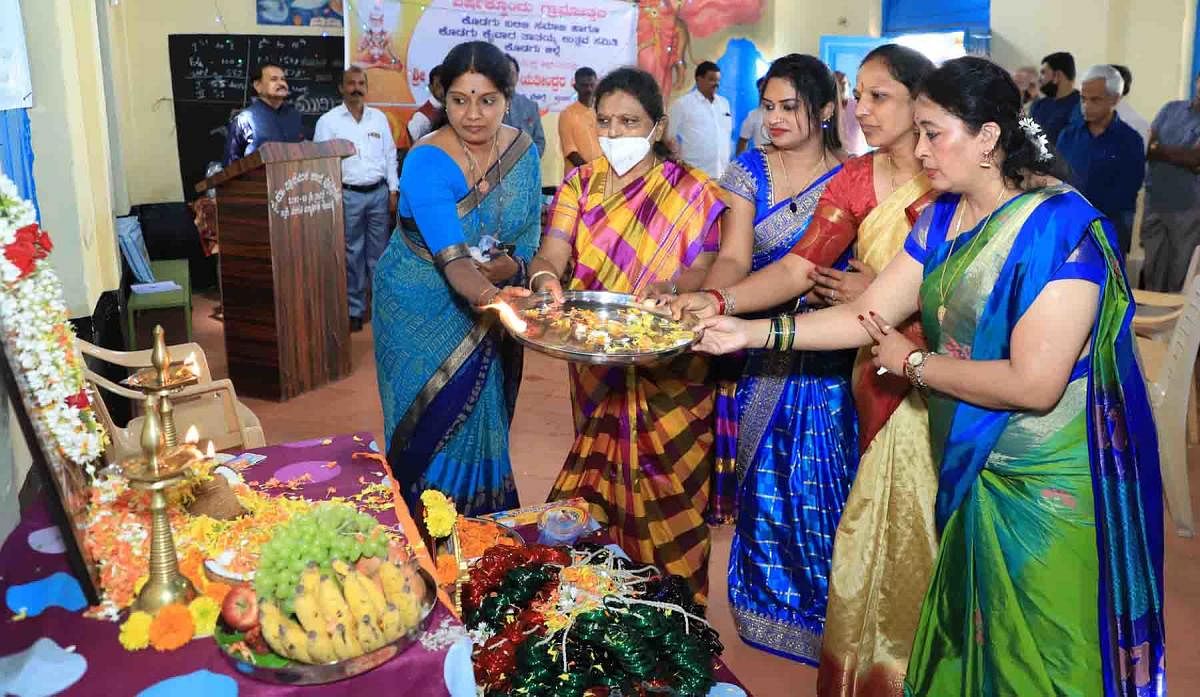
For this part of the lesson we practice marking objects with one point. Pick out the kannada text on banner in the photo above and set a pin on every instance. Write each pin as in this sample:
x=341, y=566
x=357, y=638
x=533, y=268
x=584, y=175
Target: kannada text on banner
x=550, y=39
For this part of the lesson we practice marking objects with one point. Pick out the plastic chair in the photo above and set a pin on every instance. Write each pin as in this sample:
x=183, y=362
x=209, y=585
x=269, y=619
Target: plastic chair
x=210, y=405
x=1157, y=312
x=1169, y=369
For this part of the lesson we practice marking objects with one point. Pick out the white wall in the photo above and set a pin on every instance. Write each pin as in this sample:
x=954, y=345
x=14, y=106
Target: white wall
x=800, y=24
x=69, y=133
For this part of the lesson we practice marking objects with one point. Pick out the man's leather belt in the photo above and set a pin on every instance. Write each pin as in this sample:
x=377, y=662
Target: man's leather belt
x=366, y=189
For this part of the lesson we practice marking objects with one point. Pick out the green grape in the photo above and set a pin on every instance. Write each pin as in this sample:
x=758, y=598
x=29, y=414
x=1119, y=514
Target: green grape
x=283, y=592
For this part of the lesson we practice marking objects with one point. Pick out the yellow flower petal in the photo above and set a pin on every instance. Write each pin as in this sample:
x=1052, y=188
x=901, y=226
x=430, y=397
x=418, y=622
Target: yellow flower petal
x=135, y=632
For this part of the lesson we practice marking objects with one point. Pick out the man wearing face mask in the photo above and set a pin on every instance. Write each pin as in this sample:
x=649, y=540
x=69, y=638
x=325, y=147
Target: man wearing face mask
x=369, y=184
x=701, y=123
x=268, y=118
x=1059, y=105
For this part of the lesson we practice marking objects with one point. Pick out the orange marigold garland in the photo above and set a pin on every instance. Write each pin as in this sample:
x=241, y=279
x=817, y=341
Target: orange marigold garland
x=172, y=627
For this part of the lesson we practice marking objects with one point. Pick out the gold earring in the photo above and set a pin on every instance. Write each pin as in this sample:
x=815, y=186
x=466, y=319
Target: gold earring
x=986, y=162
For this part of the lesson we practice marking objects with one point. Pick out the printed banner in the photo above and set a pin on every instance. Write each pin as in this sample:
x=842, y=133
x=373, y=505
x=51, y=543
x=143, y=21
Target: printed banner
x=400, y=42
x=301, y=13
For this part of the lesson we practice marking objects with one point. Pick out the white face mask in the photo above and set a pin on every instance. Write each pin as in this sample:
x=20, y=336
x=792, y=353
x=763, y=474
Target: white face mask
x=625, y=152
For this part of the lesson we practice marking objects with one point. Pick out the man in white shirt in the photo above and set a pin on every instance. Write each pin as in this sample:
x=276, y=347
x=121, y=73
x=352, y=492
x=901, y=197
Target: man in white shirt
x=1126, y=111
x=431, y=115
x=701, y=123
x=370, y=184
x=751, y=132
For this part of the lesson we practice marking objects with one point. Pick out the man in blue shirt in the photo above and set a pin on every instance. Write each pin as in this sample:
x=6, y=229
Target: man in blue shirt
x=1107, y=157
x=1060, y=105
x=268, y=119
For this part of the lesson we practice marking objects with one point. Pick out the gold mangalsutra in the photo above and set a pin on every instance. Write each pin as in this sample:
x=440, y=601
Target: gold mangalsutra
x=955, y=275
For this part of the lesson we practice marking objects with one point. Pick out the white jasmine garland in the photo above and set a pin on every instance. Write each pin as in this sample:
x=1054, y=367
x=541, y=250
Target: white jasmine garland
x=33, y=316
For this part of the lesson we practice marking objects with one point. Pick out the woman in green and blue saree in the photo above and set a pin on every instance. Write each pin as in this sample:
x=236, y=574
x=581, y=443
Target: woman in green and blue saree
x=1048, y=579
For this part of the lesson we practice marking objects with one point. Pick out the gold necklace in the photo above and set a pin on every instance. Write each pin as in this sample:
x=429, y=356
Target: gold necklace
x=788, y=181
x=481, y=184
x=473, y=166
x=943, y=288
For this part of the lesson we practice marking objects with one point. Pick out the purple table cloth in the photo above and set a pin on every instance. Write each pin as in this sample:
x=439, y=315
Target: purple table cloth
x=197, y=668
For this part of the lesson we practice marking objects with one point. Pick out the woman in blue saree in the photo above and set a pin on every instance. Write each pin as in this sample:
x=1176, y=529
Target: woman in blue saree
x=448, y=375
x=1048, y=579
x=792, y=427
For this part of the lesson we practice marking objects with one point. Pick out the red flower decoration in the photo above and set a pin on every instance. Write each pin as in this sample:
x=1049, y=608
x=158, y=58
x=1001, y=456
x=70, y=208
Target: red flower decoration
x=31, y=244
x=79, y=400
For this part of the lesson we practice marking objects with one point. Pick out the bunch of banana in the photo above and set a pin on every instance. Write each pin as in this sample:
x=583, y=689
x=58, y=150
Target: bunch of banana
x=360, y=611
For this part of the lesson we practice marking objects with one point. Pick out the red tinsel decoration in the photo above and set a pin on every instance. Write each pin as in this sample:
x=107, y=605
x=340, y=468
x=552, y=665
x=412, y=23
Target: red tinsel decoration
x=496, y=660
x=488, y=573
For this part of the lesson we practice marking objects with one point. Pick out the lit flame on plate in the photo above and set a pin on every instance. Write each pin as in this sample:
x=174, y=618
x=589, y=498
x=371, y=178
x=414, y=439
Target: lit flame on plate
x=192, y=435
x=191, y=365
x=509, y=317
x=211, y=452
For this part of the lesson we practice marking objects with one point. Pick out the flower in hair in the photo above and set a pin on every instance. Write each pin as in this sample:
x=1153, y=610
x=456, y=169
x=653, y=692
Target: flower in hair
x=1036, y=136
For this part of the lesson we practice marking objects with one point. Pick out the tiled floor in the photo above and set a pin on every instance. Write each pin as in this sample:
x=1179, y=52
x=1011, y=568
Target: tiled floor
x=542, y=435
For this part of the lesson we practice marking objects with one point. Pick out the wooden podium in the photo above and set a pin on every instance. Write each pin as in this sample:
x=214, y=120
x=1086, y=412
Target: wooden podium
x=283, y=268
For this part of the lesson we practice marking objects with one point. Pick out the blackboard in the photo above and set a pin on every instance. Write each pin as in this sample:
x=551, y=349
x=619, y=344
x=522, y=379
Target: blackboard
x=210, y=82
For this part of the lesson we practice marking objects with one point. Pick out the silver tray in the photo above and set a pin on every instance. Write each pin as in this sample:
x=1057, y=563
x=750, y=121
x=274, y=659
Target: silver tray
x=600, y=301
x=282, y=671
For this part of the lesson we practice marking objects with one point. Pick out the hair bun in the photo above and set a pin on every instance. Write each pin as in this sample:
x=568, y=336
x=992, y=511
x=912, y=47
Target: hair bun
x=977, y=91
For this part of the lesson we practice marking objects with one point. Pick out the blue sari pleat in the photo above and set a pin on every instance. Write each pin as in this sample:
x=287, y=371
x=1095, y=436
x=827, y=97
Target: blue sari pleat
x=797, y=451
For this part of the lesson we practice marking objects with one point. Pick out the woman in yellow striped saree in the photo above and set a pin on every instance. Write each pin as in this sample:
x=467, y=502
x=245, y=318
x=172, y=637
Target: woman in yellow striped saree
x=636, y=221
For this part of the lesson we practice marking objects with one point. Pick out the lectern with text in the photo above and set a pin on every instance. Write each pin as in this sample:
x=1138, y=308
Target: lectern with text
x=283, y=268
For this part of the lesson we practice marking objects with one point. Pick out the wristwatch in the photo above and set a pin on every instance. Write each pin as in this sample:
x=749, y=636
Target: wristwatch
x=914, y=368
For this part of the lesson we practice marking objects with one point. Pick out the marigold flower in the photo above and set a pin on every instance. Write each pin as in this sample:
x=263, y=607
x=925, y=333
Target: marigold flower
x=172, y=627
x=135, y=631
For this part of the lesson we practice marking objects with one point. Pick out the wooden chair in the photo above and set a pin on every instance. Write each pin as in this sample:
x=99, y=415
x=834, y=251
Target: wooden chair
x=1169, y=370
x=210, y=405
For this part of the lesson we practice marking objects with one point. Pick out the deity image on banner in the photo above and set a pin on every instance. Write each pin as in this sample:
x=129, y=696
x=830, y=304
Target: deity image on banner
x=374, y=49
x=665, y=29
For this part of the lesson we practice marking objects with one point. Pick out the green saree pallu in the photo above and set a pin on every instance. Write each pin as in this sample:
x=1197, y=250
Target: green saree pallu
x=1048, y=580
